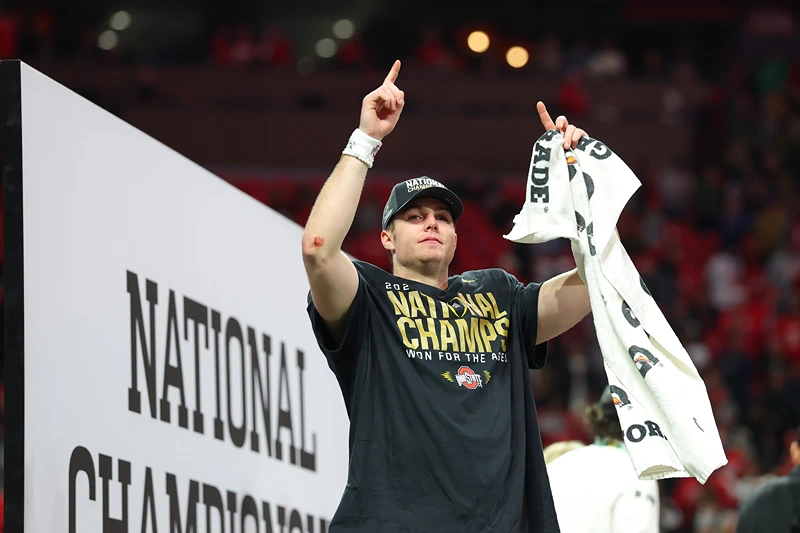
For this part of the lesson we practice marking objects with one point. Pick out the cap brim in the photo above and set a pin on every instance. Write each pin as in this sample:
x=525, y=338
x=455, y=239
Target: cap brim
x=447, y=197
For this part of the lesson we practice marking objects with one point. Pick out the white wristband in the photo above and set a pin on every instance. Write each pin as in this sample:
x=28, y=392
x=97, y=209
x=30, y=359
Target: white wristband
x=362, y=147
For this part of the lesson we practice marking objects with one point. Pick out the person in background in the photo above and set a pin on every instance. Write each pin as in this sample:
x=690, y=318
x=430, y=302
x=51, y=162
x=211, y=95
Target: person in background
x=595, y=488
x=775, y=507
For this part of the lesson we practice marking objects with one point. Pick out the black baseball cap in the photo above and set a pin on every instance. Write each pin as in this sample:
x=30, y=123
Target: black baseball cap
x=422, y=187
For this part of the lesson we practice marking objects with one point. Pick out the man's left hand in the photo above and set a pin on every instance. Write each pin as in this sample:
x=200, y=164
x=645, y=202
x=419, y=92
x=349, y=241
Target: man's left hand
x=572, y=134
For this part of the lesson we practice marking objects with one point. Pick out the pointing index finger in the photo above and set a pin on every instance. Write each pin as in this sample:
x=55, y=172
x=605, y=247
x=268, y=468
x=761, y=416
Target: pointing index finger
x=544, y=116
x=392, y=76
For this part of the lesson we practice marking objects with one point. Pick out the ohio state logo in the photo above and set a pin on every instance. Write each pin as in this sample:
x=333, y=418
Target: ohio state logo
x=467, y=378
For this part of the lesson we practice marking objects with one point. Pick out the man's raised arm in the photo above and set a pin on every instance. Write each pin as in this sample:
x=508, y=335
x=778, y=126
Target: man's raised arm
x=332, y=276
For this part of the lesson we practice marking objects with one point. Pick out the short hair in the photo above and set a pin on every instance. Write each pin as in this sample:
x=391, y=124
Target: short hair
x=390, y=228
x=604, y=422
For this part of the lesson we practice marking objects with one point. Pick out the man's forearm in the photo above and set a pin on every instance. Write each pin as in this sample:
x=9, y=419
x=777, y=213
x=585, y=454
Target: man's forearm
x=563, y=302
x=335, y=207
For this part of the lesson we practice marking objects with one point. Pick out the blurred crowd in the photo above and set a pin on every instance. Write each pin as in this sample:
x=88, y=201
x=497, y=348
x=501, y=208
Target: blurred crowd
x=36, y=33
x=715, y=235
x=435, y=53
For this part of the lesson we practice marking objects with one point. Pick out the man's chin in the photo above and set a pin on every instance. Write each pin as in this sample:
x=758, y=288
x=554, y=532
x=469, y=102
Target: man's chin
x=434, y=256
x=430, y=260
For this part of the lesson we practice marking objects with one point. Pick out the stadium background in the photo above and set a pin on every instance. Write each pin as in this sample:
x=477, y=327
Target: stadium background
x=701, y=99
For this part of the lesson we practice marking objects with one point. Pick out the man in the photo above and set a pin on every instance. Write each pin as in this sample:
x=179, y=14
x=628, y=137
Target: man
x=775, y=507
x=433, y=368
x=595, y=488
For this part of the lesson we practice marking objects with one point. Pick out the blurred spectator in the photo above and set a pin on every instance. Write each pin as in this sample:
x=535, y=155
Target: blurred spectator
x=595, y=487
x=352, y=54
x=673, y=106
x=549, y=59
x=676, y=187
x=38, y=37
x=787, y=329
x=433, y=55
x=275, y=49
x=775, y=506
x=708, y=198
x=239, y=46
x=607, y=61
x=696, y=348
x=784, y=265
x=735, y=367
x=221, y=44
x=711, y=518
x=684, y=71
x=735, y=220
x=724, y=274
x=578, y=54
x=243, y=46
x=772, y=74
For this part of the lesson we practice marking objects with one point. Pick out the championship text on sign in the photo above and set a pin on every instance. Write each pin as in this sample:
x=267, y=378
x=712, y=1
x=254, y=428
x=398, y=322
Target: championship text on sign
x=172, y=382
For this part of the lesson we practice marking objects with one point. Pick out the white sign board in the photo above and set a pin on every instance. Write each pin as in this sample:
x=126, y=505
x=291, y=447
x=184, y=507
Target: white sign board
x=171, y=378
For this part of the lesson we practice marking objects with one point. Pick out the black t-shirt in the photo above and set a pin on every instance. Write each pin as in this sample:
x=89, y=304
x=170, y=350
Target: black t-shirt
x=443, y=429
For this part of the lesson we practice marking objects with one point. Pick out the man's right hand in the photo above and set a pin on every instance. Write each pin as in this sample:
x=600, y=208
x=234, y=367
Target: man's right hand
x=380, y=109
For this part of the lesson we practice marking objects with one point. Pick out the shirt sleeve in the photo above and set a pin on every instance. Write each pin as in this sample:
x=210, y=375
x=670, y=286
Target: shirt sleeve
x=527, y=297
x=636, y=510
x=357, y=326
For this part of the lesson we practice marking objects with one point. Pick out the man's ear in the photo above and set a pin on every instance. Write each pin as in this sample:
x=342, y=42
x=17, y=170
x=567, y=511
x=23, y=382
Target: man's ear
x=455, y=240
x=387, y=240
x=794, y=453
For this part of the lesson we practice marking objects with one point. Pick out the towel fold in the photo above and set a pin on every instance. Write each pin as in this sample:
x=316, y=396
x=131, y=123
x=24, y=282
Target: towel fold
x=663, y=406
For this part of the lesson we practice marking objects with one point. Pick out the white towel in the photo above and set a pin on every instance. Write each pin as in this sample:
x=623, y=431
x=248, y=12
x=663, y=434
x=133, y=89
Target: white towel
x=662, y=401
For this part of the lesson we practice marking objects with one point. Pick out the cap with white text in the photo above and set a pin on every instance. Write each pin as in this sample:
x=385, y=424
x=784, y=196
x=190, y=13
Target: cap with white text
x=422, y=187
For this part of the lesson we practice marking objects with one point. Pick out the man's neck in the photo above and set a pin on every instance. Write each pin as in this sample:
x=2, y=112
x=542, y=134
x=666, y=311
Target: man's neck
x=434, y=280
